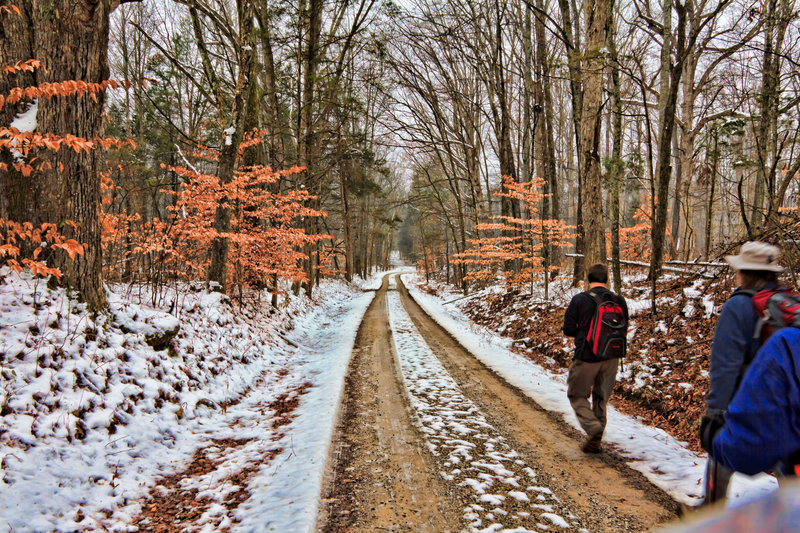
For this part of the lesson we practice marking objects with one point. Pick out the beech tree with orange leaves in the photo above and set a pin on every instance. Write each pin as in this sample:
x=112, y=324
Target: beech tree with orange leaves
x=264, y=238
x=517, y=240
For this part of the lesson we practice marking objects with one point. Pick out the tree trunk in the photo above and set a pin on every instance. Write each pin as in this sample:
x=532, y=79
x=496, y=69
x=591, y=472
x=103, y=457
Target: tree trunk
x=71, y=41
x=778, y=14
x=231, y=139
x=275, y=124
x=500, y=105
x=685, y=167
x=572, y=38
x=348, y=242
x=667, y=107
x=596, y=19
x=307, y=133
x=548, y=152
x=711, y=186
x=615, y=167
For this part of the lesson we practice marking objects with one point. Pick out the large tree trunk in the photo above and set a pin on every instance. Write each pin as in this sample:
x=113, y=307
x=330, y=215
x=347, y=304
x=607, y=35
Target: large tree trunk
x=548, y=152
x=71, y=41
x=572, y=38
x=670, y=83
x=307, y=139
x=685, y=166
x=596, y=19
x=276, y=125
x=778, y=15
x=19, y=196
x=499, y=102
x=527, y=146
x=231, y=139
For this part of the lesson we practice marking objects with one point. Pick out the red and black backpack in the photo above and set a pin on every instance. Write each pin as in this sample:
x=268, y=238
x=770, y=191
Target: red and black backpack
x=776, y=309
x=607, y=336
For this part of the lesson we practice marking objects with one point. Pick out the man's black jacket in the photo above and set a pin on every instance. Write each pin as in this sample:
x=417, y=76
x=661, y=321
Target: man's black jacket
x=579, y=316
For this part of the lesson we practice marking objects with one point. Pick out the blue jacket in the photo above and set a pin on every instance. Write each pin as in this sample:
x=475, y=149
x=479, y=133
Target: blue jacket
x=733, y=347
x=762, y=426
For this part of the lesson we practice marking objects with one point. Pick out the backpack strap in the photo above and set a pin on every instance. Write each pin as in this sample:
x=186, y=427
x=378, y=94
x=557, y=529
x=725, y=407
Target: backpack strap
x=759, y=320
x=594, y=296
x=611, y=295
x=750, y=354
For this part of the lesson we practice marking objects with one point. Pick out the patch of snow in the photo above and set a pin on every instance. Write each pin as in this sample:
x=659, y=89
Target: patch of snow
x=493, y=499
x=519, y=496
x=709, y=306
x=229, y=135
x=556, y=519
x=26, y=121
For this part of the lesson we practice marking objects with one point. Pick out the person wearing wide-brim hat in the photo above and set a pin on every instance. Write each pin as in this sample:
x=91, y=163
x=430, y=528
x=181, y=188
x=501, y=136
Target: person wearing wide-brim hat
x=756, y=258
x=734, y=347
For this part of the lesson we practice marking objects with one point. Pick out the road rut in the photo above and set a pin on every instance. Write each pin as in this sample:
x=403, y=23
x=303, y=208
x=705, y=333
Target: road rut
x=381, y=477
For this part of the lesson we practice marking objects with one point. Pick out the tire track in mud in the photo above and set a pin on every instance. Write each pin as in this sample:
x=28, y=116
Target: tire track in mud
x=380, y=476
x=603, y=491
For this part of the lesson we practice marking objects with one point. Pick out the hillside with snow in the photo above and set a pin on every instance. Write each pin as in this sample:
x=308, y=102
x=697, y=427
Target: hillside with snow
x=98, y=411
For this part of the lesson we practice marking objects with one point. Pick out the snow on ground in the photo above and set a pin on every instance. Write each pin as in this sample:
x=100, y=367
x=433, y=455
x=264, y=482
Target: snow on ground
x=474, y=453
x=26, y=121
x=286, y=493
x=93, y=409
x=660, y=457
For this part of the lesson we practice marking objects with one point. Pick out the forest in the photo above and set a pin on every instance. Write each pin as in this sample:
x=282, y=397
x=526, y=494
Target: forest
x=192, y=191
x=326, y=134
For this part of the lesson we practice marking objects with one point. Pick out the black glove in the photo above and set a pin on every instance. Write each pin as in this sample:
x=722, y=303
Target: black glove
x=709, y=427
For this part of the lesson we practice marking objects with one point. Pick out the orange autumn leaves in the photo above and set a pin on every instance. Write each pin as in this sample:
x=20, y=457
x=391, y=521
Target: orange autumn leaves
x=265, y=238
x=266, y=235
x=514, y=247
x=16, y=238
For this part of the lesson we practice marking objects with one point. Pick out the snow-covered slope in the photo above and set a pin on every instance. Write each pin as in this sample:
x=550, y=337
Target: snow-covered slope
x=94, y=409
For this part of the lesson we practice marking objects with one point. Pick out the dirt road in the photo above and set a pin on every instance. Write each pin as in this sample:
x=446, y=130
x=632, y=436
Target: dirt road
x=382, y=479
x=432, y=440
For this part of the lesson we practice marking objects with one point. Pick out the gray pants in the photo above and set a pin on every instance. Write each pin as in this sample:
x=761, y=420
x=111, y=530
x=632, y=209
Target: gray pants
x=595, y=380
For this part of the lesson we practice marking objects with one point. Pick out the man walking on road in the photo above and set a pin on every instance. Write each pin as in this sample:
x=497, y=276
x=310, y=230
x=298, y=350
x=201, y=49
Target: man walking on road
x=598, y=320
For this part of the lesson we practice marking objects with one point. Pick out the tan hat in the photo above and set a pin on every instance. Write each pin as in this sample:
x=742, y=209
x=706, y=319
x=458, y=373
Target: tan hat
x=756, y=255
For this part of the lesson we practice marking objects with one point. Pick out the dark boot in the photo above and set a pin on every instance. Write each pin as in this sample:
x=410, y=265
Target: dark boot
x=592, y=444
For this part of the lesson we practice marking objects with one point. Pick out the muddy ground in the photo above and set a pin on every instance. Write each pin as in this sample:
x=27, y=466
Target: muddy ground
x=382, y=477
